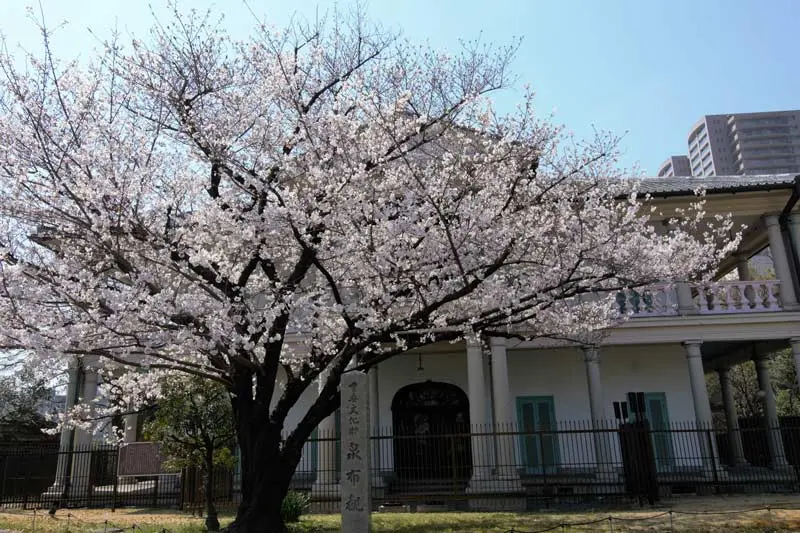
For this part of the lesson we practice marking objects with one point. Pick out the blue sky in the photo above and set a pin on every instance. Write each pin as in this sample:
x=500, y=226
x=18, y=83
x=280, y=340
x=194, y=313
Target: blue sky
x=649, y=68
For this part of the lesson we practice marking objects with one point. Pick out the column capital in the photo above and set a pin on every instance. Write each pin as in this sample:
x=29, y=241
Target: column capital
x=473, y=343
x=795, y=342
x=760, y=358
x=724, y=372
x=591, y=354
x=771, y=220
x=693, y=348
x=498, y=342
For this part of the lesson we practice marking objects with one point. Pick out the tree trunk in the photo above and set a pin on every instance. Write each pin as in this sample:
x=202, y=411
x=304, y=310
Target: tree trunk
x=266, y=473
x=262, y=513
x=212, y=521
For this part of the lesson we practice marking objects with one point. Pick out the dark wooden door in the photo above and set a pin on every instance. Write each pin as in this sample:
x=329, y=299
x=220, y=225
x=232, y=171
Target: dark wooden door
x=431, y=432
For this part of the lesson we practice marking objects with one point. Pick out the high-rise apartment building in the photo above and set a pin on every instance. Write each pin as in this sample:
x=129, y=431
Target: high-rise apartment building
x=745, y=143
x=676, y=165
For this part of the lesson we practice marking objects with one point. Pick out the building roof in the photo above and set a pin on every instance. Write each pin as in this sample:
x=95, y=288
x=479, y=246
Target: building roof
x=682, y=185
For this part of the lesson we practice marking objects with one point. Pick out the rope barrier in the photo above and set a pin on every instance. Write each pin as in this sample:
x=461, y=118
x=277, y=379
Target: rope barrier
x=628, y=519
x=108, y=526
x=610, y=519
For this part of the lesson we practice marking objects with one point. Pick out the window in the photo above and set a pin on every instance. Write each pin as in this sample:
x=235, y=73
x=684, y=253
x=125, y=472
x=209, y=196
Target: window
x=538, y=441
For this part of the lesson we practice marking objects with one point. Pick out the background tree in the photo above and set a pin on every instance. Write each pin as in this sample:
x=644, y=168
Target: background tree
x=744, y=383
x=24, y=400
x=190, y=202
x=194, y=424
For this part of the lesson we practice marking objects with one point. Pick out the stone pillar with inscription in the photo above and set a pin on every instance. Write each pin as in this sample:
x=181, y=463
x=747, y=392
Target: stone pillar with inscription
x=355, y=480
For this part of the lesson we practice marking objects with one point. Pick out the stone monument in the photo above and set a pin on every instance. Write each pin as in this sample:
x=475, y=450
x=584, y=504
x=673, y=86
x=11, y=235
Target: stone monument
x=355, y=480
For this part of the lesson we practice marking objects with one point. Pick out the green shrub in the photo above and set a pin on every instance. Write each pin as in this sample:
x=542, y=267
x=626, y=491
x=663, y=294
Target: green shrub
x=294, y=504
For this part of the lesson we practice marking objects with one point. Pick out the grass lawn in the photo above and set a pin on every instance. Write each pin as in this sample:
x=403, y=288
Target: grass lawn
x=724, y=519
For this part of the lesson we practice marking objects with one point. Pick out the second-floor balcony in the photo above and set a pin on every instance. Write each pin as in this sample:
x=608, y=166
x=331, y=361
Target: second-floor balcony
x=722, y=297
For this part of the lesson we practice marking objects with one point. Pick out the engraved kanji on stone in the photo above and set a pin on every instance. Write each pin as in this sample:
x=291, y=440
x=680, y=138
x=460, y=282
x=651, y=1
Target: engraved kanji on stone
x=353, y=476
x=353, y=503
x=352, y=409
x=354, y=452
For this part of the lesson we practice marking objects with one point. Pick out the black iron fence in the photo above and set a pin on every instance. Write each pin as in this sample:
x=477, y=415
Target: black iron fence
x=490, y=468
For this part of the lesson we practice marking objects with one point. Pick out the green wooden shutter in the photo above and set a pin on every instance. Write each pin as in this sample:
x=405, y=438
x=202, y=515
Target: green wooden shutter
x=655, y=404
x=538, y=439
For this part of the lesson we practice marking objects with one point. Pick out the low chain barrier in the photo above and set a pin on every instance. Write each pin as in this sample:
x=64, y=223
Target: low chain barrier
x=72, y=521
x=109, y=527
x=671, y=514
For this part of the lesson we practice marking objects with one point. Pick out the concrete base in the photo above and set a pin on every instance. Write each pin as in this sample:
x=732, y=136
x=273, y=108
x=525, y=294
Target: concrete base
x=498, y=504
x=481, y=486
x=494, y=488
x=785, y=473
x=608, y=483
x=326, y=491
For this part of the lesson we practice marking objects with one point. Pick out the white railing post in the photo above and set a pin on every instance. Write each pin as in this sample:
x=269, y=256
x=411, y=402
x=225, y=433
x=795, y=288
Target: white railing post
x=686, y=305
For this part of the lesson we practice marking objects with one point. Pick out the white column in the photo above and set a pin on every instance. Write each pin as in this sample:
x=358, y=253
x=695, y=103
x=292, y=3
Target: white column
x=774, y=440
x=326, y=485
x=794, y=232
x=731, y=418
x=482, y=464
x=794, y=342
x=503, y=414
x=67, y=435
x=781, y=261
x=131, y=423
x=697, y=382
x=591, y=358
x=702, y=406
x=82, y=456
x=375, y=425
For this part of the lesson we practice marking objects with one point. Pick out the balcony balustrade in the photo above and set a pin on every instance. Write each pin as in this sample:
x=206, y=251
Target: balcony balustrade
x=722, y=297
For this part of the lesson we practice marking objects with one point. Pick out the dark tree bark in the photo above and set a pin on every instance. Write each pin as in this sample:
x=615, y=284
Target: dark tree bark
x=267, y=470
x=268, y=461
x=212, y=520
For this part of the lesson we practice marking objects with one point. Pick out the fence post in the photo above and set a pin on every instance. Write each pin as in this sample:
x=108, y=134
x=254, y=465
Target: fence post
x=114, y=493
x=712, y=448
x=544, y=467
x=453, y=461
x=3, y=479
x=155, y=492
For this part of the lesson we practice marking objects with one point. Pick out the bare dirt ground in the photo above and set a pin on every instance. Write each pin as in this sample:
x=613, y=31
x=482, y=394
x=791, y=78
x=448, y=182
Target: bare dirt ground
x=743, y=513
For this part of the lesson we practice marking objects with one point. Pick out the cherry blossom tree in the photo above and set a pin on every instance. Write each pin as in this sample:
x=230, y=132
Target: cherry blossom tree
x=273, y=211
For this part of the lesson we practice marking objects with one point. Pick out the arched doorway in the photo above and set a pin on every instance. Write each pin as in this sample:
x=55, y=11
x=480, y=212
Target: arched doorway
x=431, y=432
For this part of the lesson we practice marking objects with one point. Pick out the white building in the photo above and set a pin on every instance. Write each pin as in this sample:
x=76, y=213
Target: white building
x=512, y=416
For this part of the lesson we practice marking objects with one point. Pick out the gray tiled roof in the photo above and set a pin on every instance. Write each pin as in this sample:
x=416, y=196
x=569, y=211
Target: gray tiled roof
x=678, y=185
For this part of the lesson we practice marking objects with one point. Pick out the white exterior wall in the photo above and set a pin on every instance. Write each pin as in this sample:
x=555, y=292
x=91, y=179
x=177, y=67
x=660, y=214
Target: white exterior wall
x=308, y=459
x=561, y=373
x=555, y=372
